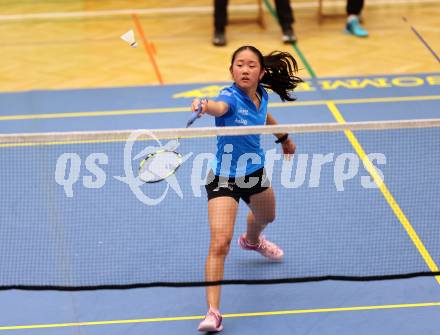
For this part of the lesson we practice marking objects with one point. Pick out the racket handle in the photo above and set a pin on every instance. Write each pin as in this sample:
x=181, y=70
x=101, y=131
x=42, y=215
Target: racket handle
x=194, y=115
x=191, y=120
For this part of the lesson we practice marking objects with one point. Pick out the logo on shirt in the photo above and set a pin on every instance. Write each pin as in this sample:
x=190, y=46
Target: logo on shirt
x=243, y=112
x=241, y=121
x=225, y=92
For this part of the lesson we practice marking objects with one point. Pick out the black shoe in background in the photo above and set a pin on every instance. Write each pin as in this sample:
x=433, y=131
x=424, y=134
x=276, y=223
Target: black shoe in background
x=219, y=39
x=289, y=36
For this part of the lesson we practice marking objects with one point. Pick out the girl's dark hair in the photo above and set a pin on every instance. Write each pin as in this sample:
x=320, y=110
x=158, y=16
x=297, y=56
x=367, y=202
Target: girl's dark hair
x=280, y=69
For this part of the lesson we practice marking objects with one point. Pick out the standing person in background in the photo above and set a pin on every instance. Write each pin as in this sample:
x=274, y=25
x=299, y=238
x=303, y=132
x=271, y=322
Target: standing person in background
x=353, y=26
x=284, y=13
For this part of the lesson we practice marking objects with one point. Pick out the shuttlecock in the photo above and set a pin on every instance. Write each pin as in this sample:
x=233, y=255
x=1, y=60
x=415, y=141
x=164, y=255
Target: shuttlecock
x=129, y=38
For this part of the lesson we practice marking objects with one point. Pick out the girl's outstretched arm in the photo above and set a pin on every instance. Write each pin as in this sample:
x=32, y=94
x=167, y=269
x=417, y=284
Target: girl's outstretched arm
x=214, y=108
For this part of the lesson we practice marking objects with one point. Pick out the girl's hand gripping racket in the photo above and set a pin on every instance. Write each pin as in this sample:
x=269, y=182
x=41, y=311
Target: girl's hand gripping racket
x=194, y=115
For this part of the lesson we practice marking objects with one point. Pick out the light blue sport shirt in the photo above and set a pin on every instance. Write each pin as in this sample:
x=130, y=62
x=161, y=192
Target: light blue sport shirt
x=238, y=156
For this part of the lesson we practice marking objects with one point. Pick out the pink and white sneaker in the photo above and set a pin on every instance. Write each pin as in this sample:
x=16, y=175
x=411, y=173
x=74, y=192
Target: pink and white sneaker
x=212, y=322
x=268, y=249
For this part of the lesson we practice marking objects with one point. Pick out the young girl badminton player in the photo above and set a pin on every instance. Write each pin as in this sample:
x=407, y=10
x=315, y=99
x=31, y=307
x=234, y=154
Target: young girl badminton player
x=243, y=103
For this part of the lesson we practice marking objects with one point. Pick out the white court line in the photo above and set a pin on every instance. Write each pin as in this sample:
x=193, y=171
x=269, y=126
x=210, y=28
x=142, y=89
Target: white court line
x=187, y=10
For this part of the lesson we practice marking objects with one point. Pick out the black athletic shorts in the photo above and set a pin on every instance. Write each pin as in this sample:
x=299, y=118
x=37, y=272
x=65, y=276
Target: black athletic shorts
x=239, y=187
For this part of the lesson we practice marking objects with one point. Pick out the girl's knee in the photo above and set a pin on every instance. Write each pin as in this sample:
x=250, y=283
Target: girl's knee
x=268, y=217
x=220, y=246
x=271, y=217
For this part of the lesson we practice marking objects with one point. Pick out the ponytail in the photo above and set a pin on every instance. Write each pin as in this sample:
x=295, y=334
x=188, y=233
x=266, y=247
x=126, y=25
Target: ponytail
x=280, y=77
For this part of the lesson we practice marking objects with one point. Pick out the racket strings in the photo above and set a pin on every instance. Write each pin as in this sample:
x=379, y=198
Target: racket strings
x=159, y=166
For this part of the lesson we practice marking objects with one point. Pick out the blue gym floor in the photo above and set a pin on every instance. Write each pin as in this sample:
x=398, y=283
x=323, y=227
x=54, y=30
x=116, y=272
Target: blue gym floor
x=406, y=306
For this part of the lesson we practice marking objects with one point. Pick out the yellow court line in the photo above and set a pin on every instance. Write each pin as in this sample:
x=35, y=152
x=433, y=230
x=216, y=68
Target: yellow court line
x=236, y=315
x=187, y=109
x=356, y=101
x=36, y=144
x=387, y=99
x=89, y=114
x=385, y=192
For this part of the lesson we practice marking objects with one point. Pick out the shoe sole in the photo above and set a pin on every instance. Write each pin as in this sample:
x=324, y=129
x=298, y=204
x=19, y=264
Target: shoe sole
x=210, y=329
x=352, y=34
